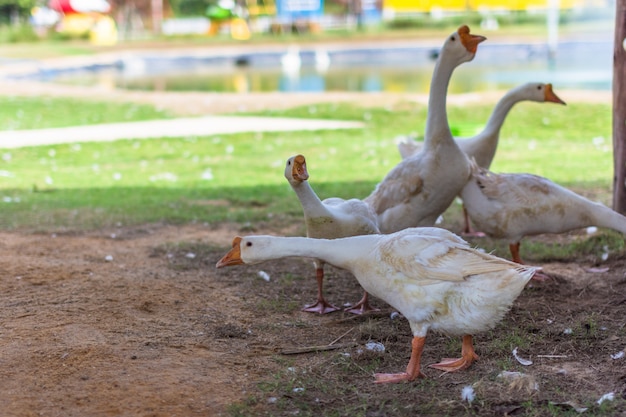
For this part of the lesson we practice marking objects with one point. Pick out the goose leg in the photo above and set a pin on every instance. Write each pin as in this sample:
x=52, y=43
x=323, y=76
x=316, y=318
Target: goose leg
x=467, y=230
x=467, y=357
x=413, y=368
x=320, y=306
x=362, y=306
x=514, y=248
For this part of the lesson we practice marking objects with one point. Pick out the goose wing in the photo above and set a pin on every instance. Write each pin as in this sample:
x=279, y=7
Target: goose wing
x=434, y=254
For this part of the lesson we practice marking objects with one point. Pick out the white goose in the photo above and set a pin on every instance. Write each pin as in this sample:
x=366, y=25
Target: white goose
x=330, y=219
x=483, y=146
x=428, y=274
x=417, y=190
x=511, y=206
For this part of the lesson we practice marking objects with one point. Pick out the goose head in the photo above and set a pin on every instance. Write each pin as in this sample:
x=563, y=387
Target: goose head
x=541, y=93
x=549, y=95
x=295, y=170
x=245, y=250
x=462, y=45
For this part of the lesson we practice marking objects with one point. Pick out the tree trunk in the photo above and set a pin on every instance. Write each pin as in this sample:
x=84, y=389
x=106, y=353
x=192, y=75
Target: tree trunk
x=619, y=108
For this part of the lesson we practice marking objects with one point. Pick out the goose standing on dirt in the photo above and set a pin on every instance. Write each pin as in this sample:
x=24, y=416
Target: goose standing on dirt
x=483, y=146
x=511, y=206
x=330, y=219
x=417, y=190
x=428, y=274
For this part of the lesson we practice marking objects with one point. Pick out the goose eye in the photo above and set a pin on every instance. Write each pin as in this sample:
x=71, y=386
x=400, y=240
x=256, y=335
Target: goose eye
x=538, y=87
x=288, y=162
x=248, y=243
x=452, y=38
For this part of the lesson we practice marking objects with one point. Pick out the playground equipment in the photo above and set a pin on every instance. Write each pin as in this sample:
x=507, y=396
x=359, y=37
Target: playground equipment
x=82, y=17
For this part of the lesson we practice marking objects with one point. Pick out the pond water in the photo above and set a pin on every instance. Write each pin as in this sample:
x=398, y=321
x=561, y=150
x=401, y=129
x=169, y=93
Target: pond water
x=580, y=65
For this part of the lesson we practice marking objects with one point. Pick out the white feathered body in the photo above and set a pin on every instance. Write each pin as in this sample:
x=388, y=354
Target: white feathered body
x=417, y=190
x=433, y=277
x=511, y=206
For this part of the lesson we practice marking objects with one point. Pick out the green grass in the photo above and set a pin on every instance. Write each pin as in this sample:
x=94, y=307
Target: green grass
x=240, y=177
x=18, y=113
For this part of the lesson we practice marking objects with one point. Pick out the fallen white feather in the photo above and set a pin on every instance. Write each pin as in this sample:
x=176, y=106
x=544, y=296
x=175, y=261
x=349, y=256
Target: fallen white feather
x=606, y=397
x=598, y=270
x=618, y=355
x=190, y=255
x=264, y=275
x=525, y=362
x=467, y=394
x=108, y=258
x=591, y=230
x=375, y=346
x=207, y=175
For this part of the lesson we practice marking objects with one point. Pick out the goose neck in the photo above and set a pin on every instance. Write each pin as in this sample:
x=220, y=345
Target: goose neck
x=437, y=119
x=500, y=111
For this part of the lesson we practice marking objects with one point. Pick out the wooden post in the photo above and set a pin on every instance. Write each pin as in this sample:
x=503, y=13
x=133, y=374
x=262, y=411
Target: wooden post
x=619, y=108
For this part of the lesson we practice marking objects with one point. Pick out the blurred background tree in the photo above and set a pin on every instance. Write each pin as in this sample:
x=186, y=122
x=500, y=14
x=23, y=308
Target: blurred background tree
x=15, y=11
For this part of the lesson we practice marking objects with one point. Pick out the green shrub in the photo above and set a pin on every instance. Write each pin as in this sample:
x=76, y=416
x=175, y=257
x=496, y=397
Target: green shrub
x=17, y=33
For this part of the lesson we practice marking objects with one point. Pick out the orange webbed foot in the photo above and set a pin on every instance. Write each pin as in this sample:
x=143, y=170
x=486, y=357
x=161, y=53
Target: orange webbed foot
x=540, y=276
x=452, y=364
x=395, y=378
x=413, y=368
x=361, y=307
x=468, y=356
x=320, y=307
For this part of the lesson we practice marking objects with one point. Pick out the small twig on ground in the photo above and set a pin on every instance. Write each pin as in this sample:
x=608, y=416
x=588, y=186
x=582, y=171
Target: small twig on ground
x=309, y=349
x=361, y=316
x=337, y=339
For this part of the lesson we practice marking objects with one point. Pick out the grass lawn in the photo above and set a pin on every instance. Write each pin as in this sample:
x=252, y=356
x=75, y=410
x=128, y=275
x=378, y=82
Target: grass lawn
x=19, y=113
x=240, y=177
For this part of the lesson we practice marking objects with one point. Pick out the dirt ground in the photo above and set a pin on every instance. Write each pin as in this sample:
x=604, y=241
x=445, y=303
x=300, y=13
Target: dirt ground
x=137, y=321
x=100, y=325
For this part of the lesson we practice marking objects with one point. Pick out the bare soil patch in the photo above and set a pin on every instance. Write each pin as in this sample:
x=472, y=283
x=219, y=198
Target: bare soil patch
x=137, y=321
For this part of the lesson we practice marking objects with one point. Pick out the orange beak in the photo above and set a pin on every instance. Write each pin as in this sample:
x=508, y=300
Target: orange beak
x=233, y=257
x=468, y=40
x=550, y=96
x=298, y=171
